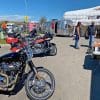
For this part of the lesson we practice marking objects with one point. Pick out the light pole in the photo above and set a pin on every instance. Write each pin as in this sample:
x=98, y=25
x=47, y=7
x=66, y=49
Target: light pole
x=26, y=17
x=26, y=7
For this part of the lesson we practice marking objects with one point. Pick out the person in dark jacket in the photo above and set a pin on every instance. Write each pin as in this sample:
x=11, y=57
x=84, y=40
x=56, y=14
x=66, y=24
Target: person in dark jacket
x=91, y=34
x=33, y=33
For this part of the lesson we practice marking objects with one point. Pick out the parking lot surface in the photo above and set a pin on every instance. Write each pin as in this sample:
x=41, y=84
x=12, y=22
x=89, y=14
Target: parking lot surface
x=73, y=81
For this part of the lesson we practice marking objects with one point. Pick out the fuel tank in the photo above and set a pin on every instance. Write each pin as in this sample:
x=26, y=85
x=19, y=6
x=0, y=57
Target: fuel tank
x=9, y=57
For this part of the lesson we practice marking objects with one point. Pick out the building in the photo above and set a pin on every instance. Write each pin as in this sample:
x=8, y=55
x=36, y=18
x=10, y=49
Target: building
x=86, y=16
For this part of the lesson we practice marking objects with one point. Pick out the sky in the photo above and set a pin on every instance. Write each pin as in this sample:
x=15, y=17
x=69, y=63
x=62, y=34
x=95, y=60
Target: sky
x=51, y=9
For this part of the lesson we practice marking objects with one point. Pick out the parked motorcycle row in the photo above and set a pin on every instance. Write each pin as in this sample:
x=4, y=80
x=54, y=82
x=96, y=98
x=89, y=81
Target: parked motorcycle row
x=40, y=82
x=39, y=44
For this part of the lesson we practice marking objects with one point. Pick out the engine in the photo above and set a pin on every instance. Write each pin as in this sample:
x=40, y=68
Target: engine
x=38, y=48
x=8, y=67
x=8, y=74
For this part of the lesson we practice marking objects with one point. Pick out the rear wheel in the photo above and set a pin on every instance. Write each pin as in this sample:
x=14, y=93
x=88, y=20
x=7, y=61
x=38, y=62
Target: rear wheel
x=53, y=50
x=40, y=88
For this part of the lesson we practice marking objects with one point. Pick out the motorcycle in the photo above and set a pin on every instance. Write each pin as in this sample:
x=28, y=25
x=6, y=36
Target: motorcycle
x=42, y=45
x=39, y=83
x=39, y=44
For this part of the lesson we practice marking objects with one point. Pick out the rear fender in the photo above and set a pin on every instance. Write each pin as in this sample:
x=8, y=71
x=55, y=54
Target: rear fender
x=36, y=69
x=53, y=44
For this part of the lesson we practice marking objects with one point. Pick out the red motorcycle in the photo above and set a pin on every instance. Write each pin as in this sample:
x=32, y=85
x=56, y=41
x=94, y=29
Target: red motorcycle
x=39, y=45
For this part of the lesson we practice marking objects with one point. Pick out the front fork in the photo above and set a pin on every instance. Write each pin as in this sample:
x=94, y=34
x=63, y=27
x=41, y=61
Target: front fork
x=34, y=69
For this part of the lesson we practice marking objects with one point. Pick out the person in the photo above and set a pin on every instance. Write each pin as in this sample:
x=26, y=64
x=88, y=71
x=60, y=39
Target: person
x=33, y=33
x=53, y=27
x=77, y=34
x=91, y=33
x=4, y=27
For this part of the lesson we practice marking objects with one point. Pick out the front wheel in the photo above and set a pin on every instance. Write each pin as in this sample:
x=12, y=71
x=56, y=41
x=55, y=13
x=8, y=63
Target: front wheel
x=40, y=88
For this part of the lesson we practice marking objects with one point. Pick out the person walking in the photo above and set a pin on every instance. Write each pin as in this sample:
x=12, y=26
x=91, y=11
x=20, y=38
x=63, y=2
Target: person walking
x=91, y=33
x=77, y=34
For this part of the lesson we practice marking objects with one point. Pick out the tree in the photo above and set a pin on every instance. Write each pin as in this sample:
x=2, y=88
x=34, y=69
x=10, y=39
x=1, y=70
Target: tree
x=42, y=20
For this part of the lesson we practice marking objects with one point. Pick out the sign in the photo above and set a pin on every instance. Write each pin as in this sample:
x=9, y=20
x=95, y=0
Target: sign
x=26, y=18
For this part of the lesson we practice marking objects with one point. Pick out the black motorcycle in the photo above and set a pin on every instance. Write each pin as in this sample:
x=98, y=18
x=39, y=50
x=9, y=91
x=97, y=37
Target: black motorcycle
x=43, y=45
x=40, y=82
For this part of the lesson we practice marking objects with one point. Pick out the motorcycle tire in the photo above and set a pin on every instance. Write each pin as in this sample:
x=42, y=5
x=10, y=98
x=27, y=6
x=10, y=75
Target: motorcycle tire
x=53, y=50
x=34, y=92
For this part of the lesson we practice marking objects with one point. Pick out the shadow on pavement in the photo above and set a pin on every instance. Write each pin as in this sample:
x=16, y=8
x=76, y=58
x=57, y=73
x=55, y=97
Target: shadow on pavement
x=94, y=66
x=84, y=46
x=72, y=46
x=38, y=55
x=41, y=55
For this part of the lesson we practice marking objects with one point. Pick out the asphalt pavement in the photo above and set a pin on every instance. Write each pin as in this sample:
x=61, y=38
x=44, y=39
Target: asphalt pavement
x=77, y=76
